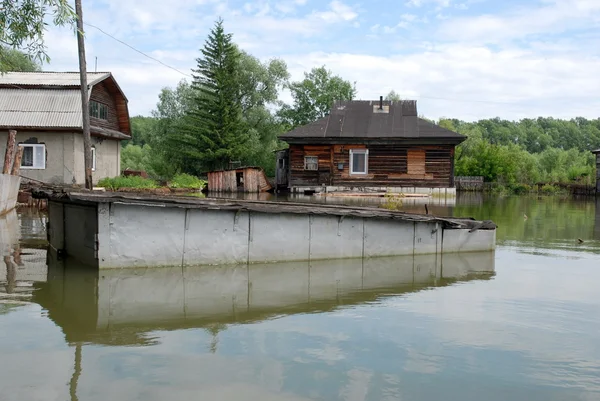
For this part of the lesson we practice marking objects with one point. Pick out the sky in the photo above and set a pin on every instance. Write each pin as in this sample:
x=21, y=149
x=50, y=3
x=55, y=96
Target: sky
x=466, y=59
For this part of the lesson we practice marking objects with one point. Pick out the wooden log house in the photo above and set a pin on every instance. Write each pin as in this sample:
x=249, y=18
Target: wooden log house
x=369, y=146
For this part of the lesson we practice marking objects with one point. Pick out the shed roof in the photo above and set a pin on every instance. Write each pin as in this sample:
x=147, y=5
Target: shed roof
x=52, y=100
x=597, y=151
x=366, y=120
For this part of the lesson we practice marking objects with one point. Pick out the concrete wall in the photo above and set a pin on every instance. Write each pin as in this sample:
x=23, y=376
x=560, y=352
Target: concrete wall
x=147, y=235
x=64, y=156
x=440, y=193
x=108, y=159
x=9, y=191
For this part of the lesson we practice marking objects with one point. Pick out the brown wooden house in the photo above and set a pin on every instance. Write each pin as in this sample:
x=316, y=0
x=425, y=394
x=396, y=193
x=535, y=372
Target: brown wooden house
x=368, y=145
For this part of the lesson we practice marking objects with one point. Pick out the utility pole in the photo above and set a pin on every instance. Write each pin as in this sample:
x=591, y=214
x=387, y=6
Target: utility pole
x=85, y=107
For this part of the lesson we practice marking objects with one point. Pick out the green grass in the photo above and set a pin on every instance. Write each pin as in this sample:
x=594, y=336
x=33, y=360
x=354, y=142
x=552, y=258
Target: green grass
x=187, y=181
x=117, y=183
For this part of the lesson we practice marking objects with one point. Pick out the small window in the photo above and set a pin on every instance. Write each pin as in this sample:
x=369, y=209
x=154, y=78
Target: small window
x=359, y=161
x=311, y=163
x=34, y=157
x=93, y=158
x=98, y=110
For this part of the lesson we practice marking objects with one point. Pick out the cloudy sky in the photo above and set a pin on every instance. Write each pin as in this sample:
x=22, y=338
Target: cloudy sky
x=467, y=59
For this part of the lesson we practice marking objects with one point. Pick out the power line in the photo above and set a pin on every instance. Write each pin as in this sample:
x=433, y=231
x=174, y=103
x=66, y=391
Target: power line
x=139, y=51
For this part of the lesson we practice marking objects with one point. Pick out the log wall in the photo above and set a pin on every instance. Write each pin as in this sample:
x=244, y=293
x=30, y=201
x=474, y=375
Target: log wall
x=388, y=165
x=101, y=94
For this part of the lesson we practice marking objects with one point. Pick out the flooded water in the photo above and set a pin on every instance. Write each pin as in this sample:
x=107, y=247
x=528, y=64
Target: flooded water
x=522, y=323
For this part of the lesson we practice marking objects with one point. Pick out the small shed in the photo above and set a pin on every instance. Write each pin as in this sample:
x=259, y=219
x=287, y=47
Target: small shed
x=243, y=179
x=597, y=153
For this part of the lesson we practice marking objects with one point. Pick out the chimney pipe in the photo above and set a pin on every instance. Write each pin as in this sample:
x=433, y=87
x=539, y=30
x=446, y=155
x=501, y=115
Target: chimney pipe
x=380, y=102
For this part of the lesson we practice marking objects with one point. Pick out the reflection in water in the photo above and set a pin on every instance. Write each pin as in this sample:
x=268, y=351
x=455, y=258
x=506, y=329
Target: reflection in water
x=22, y=252
x=123, y=306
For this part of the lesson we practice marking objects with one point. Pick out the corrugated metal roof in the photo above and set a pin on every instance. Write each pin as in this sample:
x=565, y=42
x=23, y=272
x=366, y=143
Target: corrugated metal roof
x=65, y=79
x=362, y=119
x=40, y=108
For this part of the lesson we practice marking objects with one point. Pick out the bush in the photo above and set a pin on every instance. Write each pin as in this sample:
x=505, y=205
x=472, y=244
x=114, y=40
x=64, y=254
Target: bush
x=187, y=181
x=549, y=189
x=117, y=183
x=520, y=189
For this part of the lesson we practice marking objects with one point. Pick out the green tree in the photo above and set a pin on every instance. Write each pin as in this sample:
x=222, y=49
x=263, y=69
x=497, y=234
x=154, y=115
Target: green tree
x=314, y=96
x=393, y=96
x=260, y=85
x=15, y=60
x=22, y=25
x=213, y=132
x=142, y=128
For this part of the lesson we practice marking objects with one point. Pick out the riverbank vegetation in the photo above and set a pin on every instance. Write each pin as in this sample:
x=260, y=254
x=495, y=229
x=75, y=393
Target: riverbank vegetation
x=178, y=182
x=522, y=154
x=193, y=130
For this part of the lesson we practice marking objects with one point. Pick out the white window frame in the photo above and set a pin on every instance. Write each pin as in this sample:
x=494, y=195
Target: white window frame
x=315, y=162
x=93, y=158
x=99, y=106
x=359, y=152
x=37, y=164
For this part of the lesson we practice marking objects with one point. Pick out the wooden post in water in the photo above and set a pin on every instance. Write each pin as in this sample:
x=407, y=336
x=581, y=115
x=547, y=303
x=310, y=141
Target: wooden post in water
x=16, y=168
x=10, y=151
x=85, y=108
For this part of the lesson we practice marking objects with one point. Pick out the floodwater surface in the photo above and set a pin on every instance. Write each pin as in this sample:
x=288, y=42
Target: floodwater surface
x=522, y=323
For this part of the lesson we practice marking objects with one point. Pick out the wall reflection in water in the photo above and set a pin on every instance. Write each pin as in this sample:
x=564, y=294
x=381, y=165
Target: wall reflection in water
x=121, y=306
x=22, y=252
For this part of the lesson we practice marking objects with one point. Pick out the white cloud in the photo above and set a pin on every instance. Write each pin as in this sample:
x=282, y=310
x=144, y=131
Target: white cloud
x=420, y=3
x=528, y=71
x=471, y=82
x=553, y=18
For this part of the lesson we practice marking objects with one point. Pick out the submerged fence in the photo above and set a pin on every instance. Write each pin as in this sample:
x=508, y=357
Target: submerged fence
x=477, y=184
x=469, y=184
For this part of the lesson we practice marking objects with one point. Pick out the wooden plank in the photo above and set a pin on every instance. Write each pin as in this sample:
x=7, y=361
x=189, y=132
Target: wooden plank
x=16, y=168
x=9, y=155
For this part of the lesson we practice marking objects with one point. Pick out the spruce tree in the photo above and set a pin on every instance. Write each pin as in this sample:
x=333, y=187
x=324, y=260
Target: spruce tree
x=214, y=132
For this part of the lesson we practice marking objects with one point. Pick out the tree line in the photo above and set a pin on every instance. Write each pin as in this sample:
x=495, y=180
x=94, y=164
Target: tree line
x=529, y=151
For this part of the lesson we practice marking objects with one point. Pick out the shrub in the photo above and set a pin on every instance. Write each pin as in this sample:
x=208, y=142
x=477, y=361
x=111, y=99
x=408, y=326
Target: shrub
x=187, y=181
x=520, y=189
x=117, y=183
x=549, y=189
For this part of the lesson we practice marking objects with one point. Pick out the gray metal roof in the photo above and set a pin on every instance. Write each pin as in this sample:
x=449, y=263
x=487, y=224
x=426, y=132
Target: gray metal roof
x=360, y=119
x=48, y=100
x=53, y=79
x=40, y=108
x=597, y=151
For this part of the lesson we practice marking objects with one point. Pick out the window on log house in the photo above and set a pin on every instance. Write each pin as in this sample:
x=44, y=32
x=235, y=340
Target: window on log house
x=311, y=163
x=359, y=161
x=98, y=110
